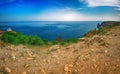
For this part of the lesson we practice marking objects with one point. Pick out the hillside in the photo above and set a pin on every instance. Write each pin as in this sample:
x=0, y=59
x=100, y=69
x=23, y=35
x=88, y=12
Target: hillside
x=97, y=52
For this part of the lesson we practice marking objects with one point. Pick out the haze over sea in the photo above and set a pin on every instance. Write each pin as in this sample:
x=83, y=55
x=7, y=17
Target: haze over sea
x=50, y=30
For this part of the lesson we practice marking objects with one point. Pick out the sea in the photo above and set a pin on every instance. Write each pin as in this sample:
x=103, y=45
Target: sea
x=50, y=30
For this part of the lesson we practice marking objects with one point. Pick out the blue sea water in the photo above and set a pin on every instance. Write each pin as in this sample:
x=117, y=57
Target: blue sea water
x=51, y=30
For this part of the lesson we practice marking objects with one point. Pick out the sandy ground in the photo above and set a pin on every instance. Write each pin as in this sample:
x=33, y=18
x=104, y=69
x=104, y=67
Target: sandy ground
x=99, y=54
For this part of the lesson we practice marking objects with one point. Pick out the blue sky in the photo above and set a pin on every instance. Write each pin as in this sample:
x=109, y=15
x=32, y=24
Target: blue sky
x=59, y=10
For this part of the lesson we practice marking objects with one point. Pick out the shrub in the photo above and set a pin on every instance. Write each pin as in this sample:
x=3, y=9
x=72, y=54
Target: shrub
x=100, y=31
x=19, y=38
x=71, y=40
x=62, y=43
x=65, y=41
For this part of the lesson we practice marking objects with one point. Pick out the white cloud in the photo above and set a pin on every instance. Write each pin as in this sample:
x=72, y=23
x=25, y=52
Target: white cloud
x=67, y=16
x=63, y=15
x=70, y=15
x=94, y=3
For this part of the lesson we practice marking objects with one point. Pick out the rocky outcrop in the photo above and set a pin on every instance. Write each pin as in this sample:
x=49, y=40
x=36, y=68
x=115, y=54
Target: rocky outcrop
x=108, y=23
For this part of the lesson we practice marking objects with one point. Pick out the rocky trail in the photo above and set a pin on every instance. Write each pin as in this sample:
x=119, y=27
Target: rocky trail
x=99, y=54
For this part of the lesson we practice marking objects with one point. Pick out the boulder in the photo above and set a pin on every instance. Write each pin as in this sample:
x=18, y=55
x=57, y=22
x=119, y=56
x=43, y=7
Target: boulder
x=66, y=69
x=8, y=70
x=54, y=48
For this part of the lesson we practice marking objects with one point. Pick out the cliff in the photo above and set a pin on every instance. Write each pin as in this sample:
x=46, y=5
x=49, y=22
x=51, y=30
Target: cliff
x=108, y=23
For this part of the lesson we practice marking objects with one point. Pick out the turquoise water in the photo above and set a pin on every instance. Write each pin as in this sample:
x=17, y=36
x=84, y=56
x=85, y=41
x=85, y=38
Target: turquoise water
x=51, y=30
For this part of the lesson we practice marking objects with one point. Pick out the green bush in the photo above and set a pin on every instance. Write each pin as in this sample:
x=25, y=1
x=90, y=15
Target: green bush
x=62, y=43
x=65, y=41
x=19, y=38
x=73, y=40
x=55, y=42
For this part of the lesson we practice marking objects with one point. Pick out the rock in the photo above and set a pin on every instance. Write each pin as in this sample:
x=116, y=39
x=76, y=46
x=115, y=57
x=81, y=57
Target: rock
x=66, y=69
x=70, y=46
x=12, y=47
x=77, y=64
x=58, y=51
x=26, y=65
x=43, y=71
x=29, y=58
x=82, y=39
x=29, y=54
x=106, y=64
x=44, y=60
x=8, y=70
x=54, y=56
x=117, y=65
x=70, y=65
x=94, y=60
x=109, y=23
x=75, y=71
x=13, y=56
x=16, y=49
x=9, y=30
x=58, y=62
x=76, y=50
x=106, y=51
x=24, y=73
x=95, y=65
x=48, y=61
x=92, y=49
x=54, y=48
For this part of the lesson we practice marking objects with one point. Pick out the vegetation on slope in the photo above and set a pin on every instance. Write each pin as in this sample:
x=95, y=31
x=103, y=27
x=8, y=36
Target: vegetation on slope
x=19, y=38
x=100, y=31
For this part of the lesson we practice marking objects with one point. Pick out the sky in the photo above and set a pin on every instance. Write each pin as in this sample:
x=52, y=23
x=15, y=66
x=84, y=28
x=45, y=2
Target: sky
x=59, y=10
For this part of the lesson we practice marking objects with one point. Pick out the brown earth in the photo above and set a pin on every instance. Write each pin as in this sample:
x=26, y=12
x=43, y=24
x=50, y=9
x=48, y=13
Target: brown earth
x=99, y=54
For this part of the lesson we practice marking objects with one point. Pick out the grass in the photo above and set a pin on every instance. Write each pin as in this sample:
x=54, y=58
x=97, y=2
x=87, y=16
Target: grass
x=19, y=38
x=91, y=33
x=65, y=41
x=101, y=31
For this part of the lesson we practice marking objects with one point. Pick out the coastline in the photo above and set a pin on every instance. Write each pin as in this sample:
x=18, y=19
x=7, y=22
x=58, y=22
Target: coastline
x=98, y=53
